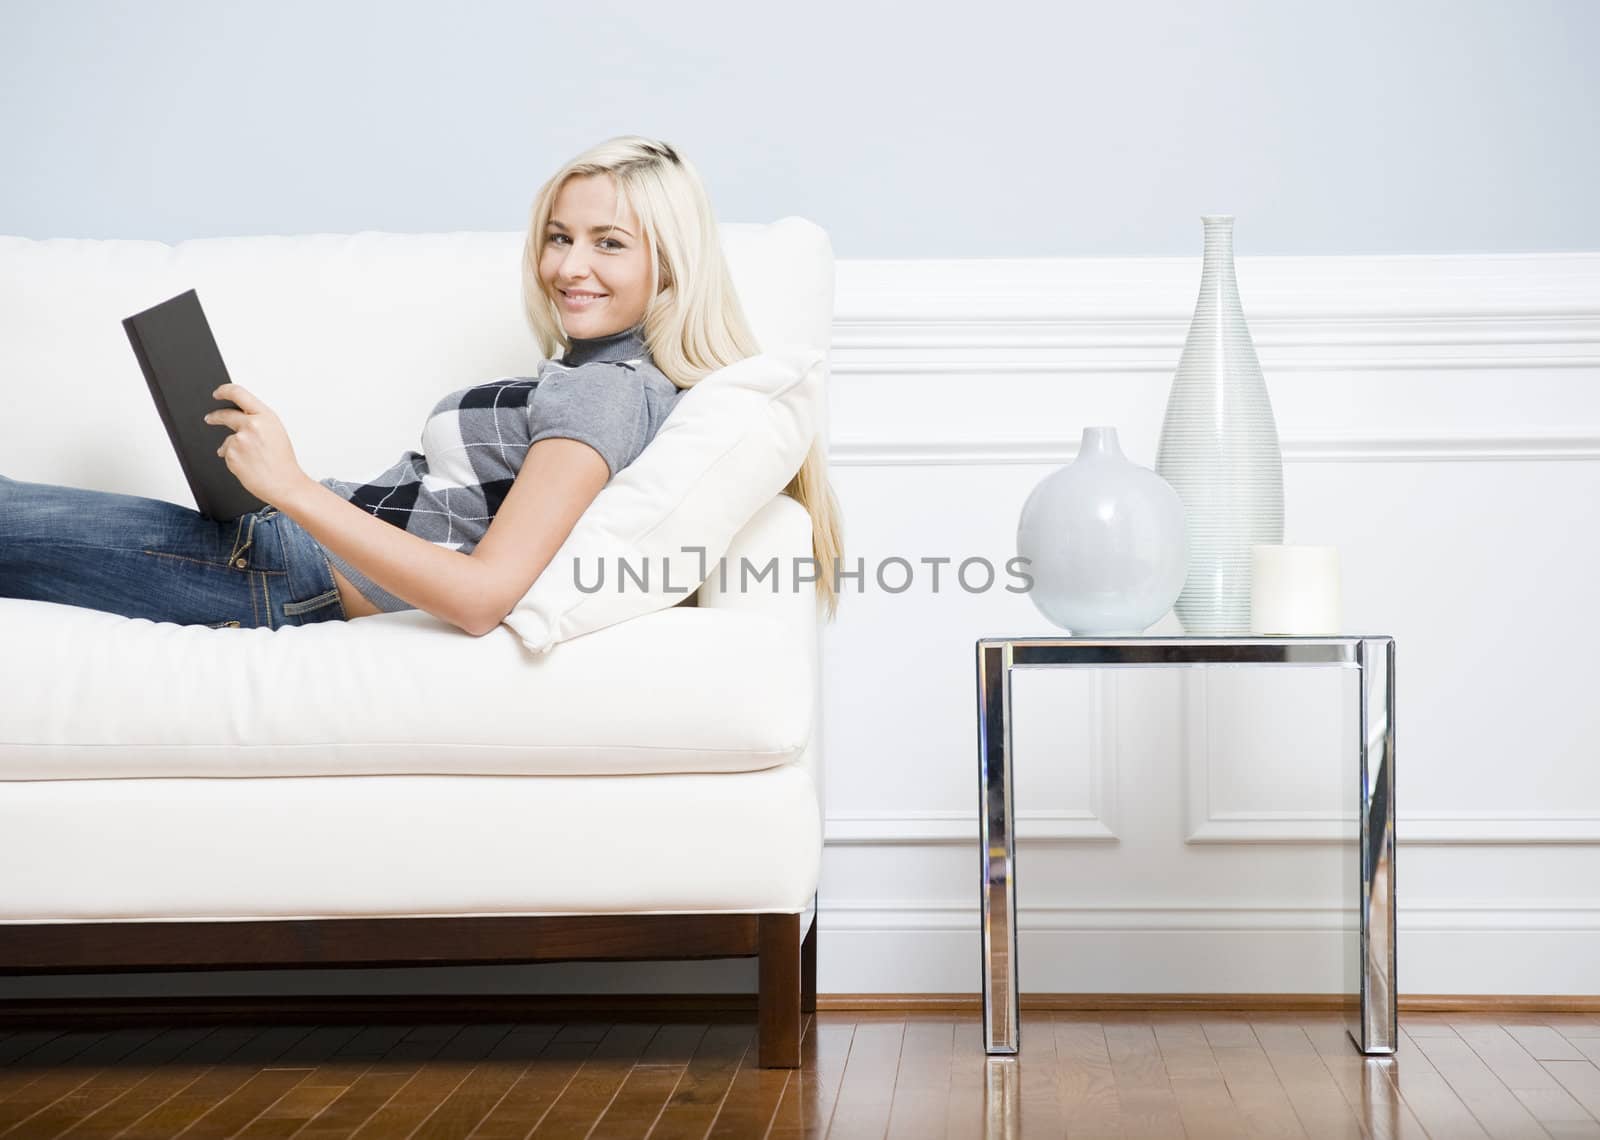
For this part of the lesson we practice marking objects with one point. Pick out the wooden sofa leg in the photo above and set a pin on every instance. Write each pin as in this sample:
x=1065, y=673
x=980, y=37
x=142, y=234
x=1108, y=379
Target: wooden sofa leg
x=778, y=1002
x=808, y=969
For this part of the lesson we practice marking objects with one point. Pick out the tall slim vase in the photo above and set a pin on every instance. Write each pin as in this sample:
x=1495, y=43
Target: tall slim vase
x=1219, y=449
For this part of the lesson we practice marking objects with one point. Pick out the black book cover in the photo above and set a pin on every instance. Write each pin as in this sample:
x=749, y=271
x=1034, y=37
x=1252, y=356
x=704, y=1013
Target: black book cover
x=183, y=366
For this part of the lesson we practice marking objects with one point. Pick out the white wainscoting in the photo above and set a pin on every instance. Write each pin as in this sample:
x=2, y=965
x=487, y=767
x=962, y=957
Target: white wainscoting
x=1186, y=830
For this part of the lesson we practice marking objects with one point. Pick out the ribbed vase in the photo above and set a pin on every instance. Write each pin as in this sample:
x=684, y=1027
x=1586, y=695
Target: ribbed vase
x=1219, y=449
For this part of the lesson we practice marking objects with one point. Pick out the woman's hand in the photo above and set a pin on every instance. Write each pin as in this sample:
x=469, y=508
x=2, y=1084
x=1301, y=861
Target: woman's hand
x=258, y=451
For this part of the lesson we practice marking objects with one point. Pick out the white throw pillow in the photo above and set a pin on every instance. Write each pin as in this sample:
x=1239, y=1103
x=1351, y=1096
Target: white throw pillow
x=731, y=444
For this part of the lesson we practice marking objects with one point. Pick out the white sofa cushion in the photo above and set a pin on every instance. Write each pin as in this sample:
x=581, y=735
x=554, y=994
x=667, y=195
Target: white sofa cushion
x=729, y=447
x=334, y=847
x=92, y=695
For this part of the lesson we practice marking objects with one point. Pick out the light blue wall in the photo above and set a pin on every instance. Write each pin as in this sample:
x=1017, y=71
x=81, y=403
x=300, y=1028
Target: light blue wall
x=992, y=129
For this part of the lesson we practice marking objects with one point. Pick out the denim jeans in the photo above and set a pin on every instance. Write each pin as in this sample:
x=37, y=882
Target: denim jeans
x=146, y=558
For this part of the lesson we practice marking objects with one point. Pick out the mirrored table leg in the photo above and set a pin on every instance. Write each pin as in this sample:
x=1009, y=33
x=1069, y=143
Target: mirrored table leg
x=998, y=843
x=1379, y=1026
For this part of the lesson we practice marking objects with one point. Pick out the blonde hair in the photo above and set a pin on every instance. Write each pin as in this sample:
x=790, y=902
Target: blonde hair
x=693, y=324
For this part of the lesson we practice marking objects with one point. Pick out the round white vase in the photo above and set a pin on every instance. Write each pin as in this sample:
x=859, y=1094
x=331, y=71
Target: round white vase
x=1105, y=542
x=1219, y=448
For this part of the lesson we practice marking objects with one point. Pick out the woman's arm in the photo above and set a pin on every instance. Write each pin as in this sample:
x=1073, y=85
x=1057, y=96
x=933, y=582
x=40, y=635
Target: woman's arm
x=558, y=480
x=432, y=578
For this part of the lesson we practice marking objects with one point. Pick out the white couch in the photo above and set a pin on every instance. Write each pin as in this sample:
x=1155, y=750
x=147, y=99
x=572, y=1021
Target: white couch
x=184, y=796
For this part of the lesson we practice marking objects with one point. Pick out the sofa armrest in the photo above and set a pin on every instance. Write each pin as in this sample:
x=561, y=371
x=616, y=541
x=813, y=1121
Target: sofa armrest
x=772, y=545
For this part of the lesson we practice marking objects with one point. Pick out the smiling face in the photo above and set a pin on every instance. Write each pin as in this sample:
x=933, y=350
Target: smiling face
x=594, y=262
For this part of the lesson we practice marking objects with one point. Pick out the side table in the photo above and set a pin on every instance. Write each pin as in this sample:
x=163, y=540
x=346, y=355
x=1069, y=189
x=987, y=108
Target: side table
x=1372, y=657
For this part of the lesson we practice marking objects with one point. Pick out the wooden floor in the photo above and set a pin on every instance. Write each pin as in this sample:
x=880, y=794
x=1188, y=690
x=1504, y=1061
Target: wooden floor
x=866, y=1075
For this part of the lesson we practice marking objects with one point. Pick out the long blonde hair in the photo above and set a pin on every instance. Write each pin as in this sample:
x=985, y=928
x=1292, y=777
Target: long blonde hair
x=694, y=323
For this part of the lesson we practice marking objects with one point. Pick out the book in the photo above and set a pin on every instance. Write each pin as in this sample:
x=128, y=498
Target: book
x=183, y=366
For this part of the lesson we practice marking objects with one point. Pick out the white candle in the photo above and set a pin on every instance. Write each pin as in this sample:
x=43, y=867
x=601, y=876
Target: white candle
x=1294, y=590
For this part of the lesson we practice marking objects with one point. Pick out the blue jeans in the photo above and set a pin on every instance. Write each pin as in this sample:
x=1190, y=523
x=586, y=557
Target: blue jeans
x=146, y=558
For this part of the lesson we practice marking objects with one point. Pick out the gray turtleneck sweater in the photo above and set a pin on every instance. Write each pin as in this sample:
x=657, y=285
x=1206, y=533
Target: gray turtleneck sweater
x=606, y=392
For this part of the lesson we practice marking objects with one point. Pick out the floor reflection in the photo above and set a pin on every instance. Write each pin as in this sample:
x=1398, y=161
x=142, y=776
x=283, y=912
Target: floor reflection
x=1002, y=1100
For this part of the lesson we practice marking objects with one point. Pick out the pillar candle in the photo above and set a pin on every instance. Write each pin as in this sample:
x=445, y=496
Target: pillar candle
x=1294, y=590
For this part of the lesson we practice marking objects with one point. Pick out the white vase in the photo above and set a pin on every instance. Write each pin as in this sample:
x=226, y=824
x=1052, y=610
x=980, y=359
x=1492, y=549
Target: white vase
x=1104, y=540
x=1219, y=448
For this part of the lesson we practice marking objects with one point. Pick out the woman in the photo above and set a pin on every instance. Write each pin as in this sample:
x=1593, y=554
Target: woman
x=631, y=301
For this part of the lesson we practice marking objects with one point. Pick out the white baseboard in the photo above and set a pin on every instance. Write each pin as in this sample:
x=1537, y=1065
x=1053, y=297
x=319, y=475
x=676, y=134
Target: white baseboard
x=1190, y=950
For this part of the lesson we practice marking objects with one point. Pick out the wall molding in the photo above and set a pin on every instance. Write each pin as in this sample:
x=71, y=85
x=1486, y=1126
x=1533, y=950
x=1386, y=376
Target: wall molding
x=1400, y=313
x=916, y=828
x=1206, y=824
x=1019, y=318
x=1419, y=829
x=1095, y=822
x=1433, y=917
x=1022, y=289
x=1349, y=448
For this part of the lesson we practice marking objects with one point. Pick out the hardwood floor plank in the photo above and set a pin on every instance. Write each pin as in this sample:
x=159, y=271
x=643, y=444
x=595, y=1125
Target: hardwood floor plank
x=23, y=1042
x=1581, y=1079
x=475, y=1098
x=597, y=1080
x=866, y=1090
x=1310, y=1087
x=323, y=1077
x=638, y=1103
x=542, y=1081
x=644, y=1092
x=384, y=1076
x=119, y=1097
x=417, y=1099
x=1229, y=1032
x=1037, y=1092
x=1365, y=1082
x=1264, y=1107
x=1088, y=1087
x=917, y=1110
x=1204, y=1103
x=374, y=1042
x=1144, y=1094
x=319, y=1051
x=1500, y=1113
x=101, y=1088
x=47, y=1062
x=1573, y=1026
x=691, y=1108
x=229, y=1116
x=21, y=1110
x=433, y=1031
x=1511, y=1064
x=1427, y=1024
x=188, y=1104
x=1559, y=1113
x=807, y=1104
x=1544, y=1043
x=970, y=1067
x=675, y=1045
x=1429, y=1095
x=192, y=1062
x=753, y=1096
x=233, y=1112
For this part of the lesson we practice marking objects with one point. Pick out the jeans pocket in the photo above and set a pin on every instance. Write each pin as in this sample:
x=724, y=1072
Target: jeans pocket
x=307, y=605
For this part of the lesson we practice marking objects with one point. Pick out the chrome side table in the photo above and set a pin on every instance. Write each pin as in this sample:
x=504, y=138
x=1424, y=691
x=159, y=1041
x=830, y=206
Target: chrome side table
x=1372, y=657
